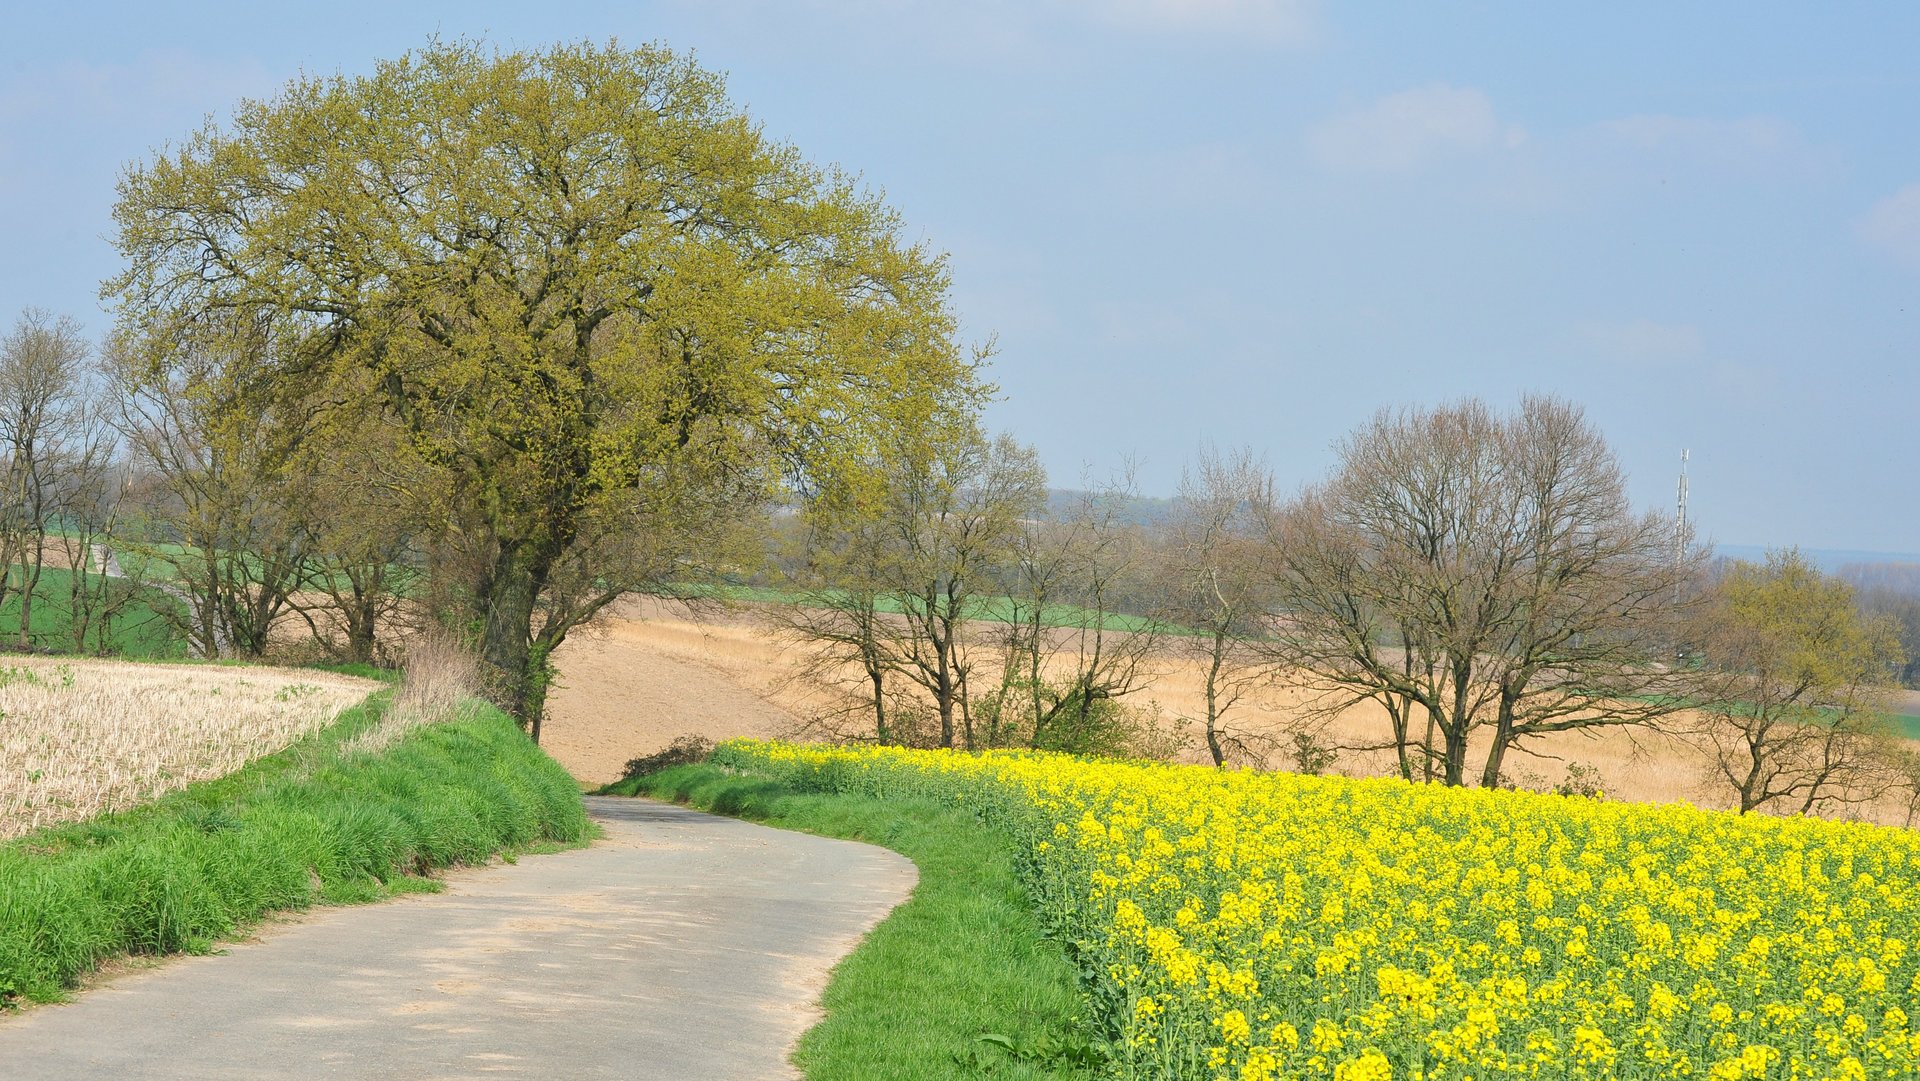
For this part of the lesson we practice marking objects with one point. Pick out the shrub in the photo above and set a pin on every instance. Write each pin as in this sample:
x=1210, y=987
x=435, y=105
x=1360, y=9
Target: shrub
x=683, y=751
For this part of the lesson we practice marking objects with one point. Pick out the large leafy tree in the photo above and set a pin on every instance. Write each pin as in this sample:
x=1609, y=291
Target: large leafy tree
x=601, y=308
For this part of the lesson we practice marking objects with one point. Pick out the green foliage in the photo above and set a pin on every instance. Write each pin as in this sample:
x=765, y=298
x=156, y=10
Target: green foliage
x=1311, y=752
x=1786, y=623
x=313, y=823
x=1076, y=722
x=959, y=982
x=595, y=309
x=1796, y=687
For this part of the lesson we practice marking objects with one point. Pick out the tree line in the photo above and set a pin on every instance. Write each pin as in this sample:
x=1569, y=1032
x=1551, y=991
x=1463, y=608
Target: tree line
x=1480, y=579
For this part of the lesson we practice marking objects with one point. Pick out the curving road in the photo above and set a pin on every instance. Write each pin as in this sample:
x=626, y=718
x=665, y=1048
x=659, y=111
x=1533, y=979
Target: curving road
x=681, y=946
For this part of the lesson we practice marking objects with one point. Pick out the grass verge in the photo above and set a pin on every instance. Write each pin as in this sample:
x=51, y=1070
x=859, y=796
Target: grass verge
x=958, y=982
x=316, y=822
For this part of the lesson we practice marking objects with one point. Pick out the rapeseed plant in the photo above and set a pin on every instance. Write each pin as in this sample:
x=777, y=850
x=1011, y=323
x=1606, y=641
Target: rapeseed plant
x=1253, y=927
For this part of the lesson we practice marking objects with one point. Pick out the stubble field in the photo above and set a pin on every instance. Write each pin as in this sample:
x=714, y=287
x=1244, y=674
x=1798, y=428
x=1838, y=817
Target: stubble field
x=80, y=738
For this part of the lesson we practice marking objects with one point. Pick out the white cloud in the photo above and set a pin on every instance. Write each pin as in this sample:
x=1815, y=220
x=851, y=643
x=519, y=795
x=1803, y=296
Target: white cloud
x=1410, y=128
x=1893, y=225
x=1645, y=340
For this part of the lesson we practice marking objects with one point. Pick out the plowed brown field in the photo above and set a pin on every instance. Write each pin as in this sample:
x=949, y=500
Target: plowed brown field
x=653, y=671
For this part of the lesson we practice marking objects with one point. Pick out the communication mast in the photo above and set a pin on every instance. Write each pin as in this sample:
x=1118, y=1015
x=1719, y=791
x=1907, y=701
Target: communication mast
x=1684, y=455
x=1680, y=516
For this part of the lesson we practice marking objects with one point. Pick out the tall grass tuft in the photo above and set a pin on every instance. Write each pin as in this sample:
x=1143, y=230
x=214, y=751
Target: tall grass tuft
x=439, y=681
x=317, y=822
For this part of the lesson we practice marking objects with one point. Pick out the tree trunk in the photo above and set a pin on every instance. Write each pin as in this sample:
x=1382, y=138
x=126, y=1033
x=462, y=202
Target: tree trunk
x=1456, y=764
x=1502, y=738
x=1426, y=745
x=1400, y=716
x=506, y=644
x=879, y=704
x=1459, y=726
x=361, y=613
x=946, y=718
x=28, y=580
x=1753, y=785
x=1213, y=699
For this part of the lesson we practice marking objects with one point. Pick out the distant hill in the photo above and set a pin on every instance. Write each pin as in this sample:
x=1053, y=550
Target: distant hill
x=1155, y=511
x=1829, y=560
x=1141, y=510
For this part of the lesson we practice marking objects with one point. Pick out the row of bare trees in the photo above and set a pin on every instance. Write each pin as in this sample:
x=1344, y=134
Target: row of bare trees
x=942, y=605
x=158, y=504
x=1480, y=578
x=61, y=484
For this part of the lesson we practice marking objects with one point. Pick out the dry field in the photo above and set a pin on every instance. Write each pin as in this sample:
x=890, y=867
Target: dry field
x=83, y=737
x=653, y=672
x=634, y=681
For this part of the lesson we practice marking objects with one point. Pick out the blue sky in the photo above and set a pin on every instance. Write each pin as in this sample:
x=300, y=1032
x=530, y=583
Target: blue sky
x=1248, y=221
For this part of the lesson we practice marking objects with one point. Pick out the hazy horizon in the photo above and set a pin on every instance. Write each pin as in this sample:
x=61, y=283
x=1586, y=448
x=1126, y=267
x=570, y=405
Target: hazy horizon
x=1250, y=221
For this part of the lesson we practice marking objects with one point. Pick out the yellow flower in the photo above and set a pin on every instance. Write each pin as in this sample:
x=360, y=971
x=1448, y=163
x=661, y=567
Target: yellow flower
x=1371, y=1065
x=1490, y=934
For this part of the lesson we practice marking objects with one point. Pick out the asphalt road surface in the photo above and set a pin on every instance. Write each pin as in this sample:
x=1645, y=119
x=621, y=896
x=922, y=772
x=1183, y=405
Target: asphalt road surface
x=681, y=946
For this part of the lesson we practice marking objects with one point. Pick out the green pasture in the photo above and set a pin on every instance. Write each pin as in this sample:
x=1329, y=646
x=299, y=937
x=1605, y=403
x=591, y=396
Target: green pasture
x=146, y=629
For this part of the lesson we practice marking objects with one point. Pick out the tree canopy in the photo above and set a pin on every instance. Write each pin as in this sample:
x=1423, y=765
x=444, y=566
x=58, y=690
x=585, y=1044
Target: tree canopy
x=600, y=310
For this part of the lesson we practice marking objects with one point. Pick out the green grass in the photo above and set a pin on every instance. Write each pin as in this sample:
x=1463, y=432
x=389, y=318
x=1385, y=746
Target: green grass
x=958, y=982
x=990, y=609
x=162, y=562
x=315, y=823
x=144, y=631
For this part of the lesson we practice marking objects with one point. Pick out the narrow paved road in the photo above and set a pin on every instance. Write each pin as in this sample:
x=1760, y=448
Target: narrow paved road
x=681, y=946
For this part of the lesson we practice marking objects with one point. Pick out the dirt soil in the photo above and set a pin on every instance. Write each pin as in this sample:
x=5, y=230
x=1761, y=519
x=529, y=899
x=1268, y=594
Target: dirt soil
x=653, y=671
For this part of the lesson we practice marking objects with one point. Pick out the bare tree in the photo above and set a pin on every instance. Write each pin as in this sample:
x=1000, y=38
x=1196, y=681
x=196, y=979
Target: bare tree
x=42, y=370
x=221, y=517
x=1474, y=574
x=1070, y=655
x=892, y=584
x=848, y=638
x=954, y=510
x=1219, y=589
x=1795, y=692
x=93, y=483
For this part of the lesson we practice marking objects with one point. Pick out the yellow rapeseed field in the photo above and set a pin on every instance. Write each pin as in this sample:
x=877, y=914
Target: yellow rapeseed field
x=1255, y=926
